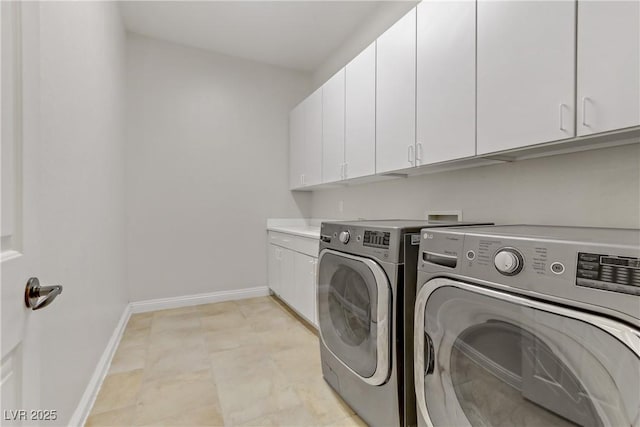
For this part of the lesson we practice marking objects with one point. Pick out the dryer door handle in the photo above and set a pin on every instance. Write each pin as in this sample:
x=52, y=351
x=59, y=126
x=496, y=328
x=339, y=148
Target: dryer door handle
x=428, y=355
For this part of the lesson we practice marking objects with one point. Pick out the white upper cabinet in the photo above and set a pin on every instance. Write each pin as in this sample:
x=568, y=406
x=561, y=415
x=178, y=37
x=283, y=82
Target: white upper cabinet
x=360, y=105
x=525, y=73
x=446, y=80
x=312, y=174
x=608, y=65
x=396, y=96
x=333, y=128
x=296, y=145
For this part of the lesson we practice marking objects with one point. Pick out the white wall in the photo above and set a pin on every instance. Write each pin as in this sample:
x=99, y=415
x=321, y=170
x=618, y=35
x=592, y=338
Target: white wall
x=81, y=205
x=592, y=188
x=383, y=17
x=207, y=164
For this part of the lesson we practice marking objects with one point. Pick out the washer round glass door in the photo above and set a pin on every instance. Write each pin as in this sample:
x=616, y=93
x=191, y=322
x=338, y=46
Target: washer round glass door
x=353, y=311
x=490, y=358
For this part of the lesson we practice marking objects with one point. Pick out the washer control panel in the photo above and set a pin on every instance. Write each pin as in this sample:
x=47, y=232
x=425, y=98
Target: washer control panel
x=608, y=272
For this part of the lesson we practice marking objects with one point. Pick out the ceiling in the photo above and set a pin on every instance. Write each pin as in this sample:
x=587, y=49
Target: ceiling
x=293, y=34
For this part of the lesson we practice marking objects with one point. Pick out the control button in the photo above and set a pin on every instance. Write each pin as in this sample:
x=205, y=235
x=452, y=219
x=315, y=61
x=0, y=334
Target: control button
x=588, y=265
x=358, y=238
x=557, y=268
x=589, y=257
x=508, y=261
x=344, y=237
x=586, y=274
x=471, y=255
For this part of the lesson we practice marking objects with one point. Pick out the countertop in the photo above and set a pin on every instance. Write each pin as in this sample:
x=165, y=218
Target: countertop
x=309, y=228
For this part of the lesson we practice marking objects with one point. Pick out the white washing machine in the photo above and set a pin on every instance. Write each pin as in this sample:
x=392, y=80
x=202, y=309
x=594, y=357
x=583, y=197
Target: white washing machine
x=528, y=325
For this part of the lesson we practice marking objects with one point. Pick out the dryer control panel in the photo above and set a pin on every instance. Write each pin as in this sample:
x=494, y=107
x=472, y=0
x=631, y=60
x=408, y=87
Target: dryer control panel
x=607, y=272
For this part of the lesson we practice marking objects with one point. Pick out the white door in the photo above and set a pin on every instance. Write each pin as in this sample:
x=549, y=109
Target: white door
x=396, y=96
x=19, y=253
x=333, y=128
x=608, y=65
x=360, y=115
x=526, y=73
x=296, y=146
x=446, y=80
x=312, y=173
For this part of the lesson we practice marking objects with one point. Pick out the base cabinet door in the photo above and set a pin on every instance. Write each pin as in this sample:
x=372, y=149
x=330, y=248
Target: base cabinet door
x=525, y=73
x=305, y=300
x=608, y=65
x=287, y=276
x=273, y=268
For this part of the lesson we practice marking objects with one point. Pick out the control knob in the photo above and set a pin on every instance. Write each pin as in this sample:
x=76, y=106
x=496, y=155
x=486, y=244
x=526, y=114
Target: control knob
x=508, y=261
x=344, y=237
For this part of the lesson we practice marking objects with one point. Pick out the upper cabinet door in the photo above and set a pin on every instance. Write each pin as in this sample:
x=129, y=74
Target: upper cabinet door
x=526, y=73
x=333, y=128
x=360, y=105
x=608, y=65
x=312, y=172
x=446, y=80
x=396, y=96
x=296, y=145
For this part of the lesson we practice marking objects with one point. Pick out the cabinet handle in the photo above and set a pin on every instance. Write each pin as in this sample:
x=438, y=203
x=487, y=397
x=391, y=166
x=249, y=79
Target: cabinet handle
x=418, y=153
x=410, y=154
x=561, y=110
x=584, y=111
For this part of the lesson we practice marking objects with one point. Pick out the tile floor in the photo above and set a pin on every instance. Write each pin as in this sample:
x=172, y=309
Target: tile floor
x=238, y=363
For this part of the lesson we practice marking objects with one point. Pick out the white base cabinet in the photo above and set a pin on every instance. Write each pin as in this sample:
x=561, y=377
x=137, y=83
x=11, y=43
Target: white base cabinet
x=292, y=263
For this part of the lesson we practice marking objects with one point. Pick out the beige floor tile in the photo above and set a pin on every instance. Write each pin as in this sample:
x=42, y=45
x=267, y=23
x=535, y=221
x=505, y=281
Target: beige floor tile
x=282, y=322
x=231, y=338
x=218, y=307
x=175, y=397
x=293, y=338
x=240, y=362
x=241, y=403
x=299, y=364
x=351, y=421
x=135, y=337
x=209, y=415
x=128, y=359
x=182, y=321
x=321, y=401
x=114, y=418
x=140, y=321
x=170, y=339
x=118, y=391
x=174, y=311
x=180, y=360
x=291, y=417
x=224, y=321
x=248, y=362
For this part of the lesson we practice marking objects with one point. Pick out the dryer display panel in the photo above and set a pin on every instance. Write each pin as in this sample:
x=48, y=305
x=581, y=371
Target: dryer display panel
x=608, y=272
x=376, y=239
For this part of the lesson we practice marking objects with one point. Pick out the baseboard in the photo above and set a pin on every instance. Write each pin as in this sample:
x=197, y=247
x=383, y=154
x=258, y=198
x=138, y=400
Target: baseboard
x=188, y=300
x=79, y=417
